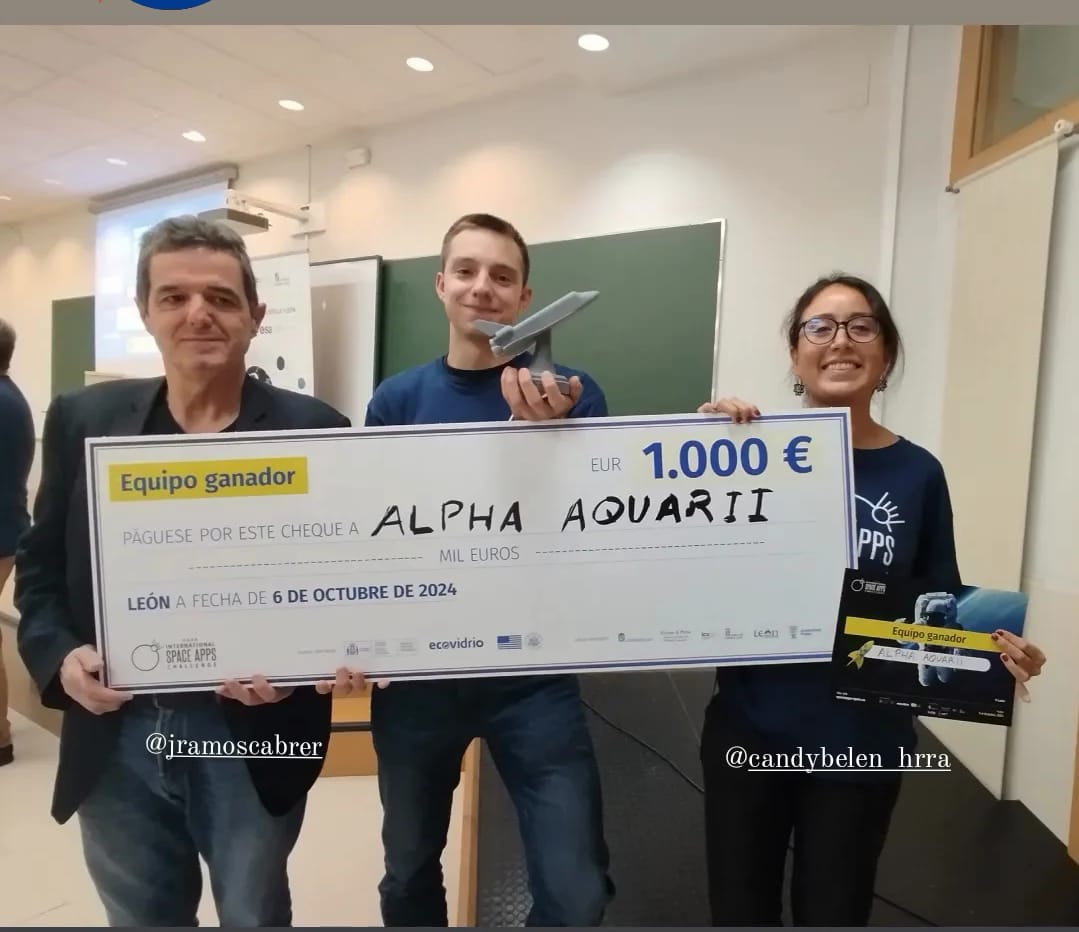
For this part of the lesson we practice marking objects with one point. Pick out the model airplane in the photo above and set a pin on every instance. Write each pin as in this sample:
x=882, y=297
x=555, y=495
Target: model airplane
x=510, y=339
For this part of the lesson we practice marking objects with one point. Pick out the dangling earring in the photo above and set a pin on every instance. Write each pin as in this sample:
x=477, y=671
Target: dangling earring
x=882, y=384
x=799, y=388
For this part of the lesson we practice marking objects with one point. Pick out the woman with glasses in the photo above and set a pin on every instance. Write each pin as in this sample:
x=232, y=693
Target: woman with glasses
x=844, y=345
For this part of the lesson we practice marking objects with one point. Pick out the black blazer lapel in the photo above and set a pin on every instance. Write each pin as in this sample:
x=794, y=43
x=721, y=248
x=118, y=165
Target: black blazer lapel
x=130, y=419
x=255, y=404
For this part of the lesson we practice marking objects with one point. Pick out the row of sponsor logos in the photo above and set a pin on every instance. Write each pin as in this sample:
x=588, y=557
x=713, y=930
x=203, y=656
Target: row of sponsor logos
x=535, y=641
x=680, y=636
x=195, y=653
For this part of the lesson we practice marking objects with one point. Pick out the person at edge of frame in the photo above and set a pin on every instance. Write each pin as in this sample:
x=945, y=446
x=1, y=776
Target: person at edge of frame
x=16, y=460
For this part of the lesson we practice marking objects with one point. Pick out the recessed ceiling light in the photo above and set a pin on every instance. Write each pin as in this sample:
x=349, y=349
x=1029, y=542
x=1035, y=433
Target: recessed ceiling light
x=419, y=64
x=194, y=136
x=290, y=104
x=116, y=161
x=591, y=42
x=51, y=181
x=4, y=197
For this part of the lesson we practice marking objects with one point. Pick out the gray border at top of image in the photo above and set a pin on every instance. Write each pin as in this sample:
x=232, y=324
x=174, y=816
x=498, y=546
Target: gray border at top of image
x=551, y=12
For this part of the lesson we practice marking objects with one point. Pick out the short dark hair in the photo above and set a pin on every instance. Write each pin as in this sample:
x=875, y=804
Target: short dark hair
x=495, y=225
x=175, y=234
x=893, y=345
x=7, y=344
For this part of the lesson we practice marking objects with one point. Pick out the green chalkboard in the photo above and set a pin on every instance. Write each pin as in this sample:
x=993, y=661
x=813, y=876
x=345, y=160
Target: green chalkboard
x=72, y=343
x=648, y=339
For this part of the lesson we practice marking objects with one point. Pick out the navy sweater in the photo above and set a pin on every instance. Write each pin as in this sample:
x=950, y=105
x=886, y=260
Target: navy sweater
x=436, y=393
x=904, y=521
x=16, y=457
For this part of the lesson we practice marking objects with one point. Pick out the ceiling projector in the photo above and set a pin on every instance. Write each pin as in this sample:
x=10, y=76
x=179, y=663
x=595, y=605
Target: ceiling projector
x=247, y=215
x=243, y=222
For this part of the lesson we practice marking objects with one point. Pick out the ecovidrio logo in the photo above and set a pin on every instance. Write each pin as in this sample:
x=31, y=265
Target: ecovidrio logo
x=170, y=4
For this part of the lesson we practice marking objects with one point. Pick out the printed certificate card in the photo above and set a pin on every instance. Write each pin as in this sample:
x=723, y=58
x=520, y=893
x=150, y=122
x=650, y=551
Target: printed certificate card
x=901, y=642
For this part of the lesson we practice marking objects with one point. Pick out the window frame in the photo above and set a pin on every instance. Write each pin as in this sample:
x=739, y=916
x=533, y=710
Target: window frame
x=981, y=47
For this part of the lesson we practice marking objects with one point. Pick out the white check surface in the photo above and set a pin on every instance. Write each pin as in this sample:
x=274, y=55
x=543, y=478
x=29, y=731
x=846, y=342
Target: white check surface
x=467, y=550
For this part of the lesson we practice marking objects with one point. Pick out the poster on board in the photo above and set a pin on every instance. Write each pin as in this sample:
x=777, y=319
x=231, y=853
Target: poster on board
x=282, y=353
x=911, y=644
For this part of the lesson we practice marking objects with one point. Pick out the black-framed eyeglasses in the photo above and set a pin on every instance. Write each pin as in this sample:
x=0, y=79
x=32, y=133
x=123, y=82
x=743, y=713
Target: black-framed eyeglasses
x=862, y=329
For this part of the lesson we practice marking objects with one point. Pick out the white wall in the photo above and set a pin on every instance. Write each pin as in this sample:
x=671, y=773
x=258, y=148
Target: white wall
x=925, y=235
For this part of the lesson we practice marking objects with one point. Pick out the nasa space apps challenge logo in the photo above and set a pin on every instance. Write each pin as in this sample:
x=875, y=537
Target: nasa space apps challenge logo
x=191, y=654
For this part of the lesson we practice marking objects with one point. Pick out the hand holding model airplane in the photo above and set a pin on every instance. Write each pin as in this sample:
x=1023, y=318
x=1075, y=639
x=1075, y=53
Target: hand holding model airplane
x=511, y=339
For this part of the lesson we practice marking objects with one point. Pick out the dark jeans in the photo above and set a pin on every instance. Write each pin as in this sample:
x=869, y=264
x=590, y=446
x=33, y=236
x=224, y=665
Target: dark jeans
x=539, y=741
x=839, y=828
x=148, y=820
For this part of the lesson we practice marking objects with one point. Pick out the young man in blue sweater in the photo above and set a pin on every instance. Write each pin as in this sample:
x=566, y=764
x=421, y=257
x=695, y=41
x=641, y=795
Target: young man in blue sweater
x=534, y=725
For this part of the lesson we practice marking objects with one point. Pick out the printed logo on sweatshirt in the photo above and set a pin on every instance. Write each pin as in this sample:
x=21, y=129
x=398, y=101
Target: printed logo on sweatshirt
x=879, y=539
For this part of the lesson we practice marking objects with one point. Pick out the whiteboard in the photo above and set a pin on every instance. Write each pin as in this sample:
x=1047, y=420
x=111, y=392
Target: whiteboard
x=345, y=332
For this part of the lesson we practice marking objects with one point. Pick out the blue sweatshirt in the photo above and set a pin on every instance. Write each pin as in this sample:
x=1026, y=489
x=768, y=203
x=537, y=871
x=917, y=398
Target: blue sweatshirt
x=904, y=521
x=436, y=393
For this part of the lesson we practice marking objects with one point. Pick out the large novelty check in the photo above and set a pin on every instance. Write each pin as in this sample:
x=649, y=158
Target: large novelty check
x=483, y=549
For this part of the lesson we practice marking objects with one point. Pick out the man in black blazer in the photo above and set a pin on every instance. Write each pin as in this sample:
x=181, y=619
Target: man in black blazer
x=146, y=819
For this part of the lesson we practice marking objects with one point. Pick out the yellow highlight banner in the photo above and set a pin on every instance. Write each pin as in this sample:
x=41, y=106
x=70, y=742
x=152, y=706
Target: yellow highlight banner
x=923, y=634
x=141, y=482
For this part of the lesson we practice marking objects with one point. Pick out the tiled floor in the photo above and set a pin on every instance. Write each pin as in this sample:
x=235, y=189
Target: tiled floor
x=335, y=867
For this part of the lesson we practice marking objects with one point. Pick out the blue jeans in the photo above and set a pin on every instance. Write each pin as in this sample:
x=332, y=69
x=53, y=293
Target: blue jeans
x=148, y=819
x=539, y=741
